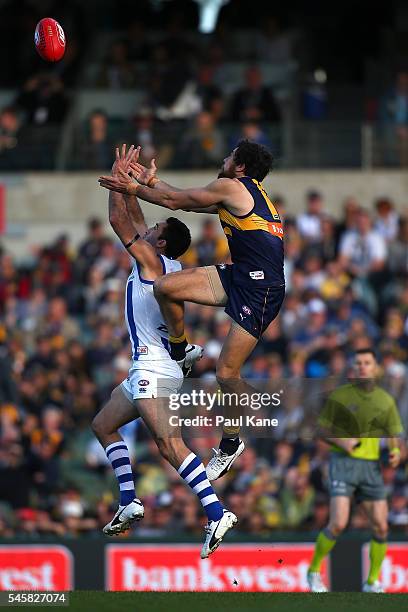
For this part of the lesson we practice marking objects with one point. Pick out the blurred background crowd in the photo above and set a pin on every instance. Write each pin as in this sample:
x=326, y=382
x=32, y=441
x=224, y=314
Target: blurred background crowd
x=64, y=347
x=153, y=76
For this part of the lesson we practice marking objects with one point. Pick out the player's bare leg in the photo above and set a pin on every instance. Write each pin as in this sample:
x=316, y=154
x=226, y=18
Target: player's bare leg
x=171, y=291
x=156, y=414
x=377, y=512
x=203, y=286
x=117, y=412
x=236, y=349
x=326, y=540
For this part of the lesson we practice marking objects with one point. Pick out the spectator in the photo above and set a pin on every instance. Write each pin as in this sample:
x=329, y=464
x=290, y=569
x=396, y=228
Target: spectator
x=309, y=222
x=117, y=72
x=398, y=252
x=203, y=144
x=97, y=147
x=386, y=221
x=348, y=222
x=326, y=246
x=297, y=498
x=43, y=100
x=273, y=44
x=363, y=252
x=58, y=323
x=211, y=247
x=255, y=101
x=171, y=89
x=9, y=137
x=251, y=130
x=211, y=98
x=91, y=247
x=393, y=115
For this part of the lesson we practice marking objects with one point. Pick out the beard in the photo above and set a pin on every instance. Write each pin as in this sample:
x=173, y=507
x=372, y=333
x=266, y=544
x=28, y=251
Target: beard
x=223, y=174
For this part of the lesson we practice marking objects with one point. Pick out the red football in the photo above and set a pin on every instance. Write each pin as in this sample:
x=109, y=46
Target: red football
x=49, y=39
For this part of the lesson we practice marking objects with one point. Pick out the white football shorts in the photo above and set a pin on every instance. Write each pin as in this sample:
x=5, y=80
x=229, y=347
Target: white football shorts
x=151, y=379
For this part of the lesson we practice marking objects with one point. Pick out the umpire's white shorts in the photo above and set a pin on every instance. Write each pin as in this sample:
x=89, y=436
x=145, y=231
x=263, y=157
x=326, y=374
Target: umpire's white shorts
x=151, y=379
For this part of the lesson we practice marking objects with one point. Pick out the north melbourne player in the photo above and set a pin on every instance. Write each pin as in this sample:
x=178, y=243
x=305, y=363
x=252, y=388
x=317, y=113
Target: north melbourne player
x=358, y=409
x=252, y=288
x=153, y=373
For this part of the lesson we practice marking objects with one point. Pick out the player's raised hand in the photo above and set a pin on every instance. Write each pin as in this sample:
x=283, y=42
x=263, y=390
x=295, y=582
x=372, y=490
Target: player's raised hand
x=121, y=182
x=124, y=159
x=142, y=174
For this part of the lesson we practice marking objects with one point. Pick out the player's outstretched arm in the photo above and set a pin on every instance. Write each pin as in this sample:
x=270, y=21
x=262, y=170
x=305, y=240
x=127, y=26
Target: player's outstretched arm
x=217, y=192
x=148, y=176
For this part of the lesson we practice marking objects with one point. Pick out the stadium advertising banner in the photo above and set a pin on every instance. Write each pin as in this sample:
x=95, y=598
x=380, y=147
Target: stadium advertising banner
x=235, y=567
x=394, y=570
x=32, y=567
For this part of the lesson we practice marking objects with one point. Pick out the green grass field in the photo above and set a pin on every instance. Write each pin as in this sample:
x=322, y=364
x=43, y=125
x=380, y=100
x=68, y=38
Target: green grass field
x=90, y=601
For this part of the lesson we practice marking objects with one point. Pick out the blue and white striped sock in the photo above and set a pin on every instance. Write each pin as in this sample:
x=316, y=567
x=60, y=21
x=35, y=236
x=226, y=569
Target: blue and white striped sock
x=118, y=455
x=193, y=472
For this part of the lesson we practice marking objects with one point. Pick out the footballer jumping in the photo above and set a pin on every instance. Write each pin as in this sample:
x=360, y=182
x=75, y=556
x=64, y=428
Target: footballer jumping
x=153, y=373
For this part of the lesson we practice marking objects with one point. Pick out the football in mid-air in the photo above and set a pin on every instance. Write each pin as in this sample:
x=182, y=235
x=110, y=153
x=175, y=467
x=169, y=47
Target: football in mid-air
x=49, y=39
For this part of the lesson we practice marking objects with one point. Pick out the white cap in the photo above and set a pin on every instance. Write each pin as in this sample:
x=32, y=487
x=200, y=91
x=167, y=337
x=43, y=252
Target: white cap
x=113, y=284
x=396, y=369
x=316, y=306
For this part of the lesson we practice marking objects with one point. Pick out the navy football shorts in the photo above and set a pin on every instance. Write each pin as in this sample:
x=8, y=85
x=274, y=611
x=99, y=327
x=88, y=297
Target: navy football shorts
x=252, y=307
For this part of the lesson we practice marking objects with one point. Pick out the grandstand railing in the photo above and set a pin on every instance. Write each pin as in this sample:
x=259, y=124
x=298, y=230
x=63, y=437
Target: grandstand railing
x=296, y=144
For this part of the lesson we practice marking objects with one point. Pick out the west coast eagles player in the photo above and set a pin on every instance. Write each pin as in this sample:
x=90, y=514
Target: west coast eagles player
x=153, y=374
x=252, y=289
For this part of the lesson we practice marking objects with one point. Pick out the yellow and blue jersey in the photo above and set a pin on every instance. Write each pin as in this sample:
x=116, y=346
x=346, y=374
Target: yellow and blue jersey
x=255, y=240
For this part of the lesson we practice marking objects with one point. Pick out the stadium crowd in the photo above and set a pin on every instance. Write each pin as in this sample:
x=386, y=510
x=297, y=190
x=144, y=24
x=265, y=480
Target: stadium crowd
x=64, y=347
x=194, y=94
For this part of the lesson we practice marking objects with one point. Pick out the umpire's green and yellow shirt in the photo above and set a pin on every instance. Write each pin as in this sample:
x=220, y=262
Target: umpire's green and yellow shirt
x=352, y=411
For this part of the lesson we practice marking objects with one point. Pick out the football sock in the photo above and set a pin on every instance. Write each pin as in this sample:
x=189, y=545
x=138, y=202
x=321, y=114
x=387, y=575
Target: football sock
x=378, y=549
x=118, y=455
x=324, y=543
x=178, y=347
x=229, y=445
x=194, y=474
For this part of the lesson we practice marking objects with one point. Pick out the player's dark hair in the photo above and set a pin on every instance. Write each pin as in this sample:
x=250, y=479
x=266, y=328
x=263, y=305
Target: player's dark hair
x=364, y=351
x=177, y=237
x=258, y=160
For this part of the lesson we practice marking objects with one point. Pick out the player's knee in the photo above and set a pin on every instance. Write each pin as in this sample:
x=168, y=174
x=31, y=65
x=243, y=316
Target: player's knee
x=164, y=446
x=225, y=373
x=337, y=527
x=170, y=448
x=381, y=530
x=97, y=426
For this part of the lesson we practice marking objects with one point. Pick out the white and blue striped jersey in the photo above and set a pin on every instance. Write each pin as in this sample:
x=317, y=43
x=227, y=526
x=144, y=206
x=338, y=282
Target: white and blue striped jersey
x=147, y=330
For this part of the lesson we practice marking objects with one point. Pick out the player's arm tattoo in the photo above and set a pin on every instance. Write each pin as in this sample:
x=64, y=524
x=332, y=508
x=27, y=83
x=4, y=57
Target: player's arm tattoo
x=128, y=233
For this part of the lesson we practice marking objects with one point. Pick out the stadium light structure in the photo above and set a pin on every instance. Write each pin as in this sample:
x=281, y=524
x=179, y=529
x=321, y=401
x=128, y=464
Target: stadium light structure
x=209, y=10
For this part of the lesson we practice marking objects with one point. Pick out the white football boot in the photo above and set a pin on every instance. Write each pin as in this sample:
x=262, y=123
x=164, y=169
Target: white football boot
x=315, y=582
x=193, y=353
x=222, y=462
x=124, y=517
x=215, y=531
x=376, y=587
